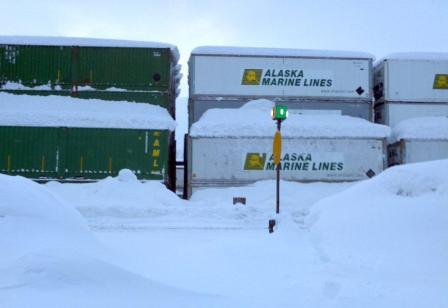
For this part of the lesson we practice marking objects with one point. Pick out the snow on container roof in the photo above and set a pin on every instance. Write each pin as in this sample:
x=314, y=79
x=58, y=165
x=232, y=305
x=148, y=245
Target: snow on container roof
x=63, y=111
x=254, y=120
x=441, y=56
x=278, y=52
x=85, y=42
x=435, y=128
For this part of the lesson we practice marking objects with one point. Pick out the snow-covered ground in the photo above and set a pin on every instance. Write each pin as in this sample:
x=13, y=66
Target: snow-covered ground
x=377, y=243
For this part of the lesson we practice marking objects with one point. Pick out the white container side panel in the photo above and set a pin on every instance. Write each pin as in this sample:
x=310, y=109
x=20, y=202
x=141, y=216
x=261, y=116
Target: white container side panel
x=424, y=150
x=415, y=80
x=239, y=160
x=278, y=77
x=392, y=113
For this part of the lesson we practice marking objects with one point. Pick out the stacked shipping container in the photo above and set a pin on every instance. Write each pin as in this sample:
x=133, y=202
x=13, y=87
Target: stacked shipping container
x=226, y=77
x=89, y=69
x=318, y=82
x=409, y=86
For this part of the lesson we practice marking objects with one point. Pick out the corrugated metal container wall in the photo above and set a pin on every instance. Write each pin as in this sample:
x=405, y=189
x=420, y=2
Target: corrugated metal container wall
x=227, y=161
x=316, y=82
x=83, y=153
x=409, y=86
x=36, y=65
x=417, y=150
x=125, y=68
x=134, y=74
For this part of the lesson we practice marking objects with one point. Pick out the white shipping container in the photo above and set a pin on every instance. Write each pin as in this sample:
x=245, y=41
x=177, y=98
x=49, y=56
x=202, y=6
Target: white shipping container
x=393, y=113
x=229, y=147
x=419, y=139
x=262, y=72
x=417, y=150
x=227, y=161
x=412, y=77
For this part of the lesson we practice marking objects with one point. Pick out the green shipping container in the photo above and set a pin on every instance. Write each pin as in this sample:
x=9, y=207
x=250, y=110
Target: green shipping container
x=136, y=71
x=45, y=153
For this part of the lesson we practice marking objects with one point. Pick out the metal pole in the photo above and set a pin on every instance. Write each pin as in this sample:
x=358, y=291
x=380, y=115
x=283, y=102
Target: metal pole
x=277, y=209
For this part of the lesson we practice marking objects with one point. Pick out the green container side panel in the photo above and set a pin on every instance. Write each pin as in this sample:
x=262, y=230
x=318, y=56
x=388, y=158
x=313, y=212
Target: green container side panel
x=83, y=153
x=127, y=68
x=96, y=153
x=35, y=65
x=99, y=67
x=30, y=152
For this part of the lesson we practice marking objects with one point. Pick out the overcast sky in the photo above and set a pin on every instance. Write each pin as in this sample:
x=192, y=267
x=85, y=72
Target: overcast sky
x=379, y=27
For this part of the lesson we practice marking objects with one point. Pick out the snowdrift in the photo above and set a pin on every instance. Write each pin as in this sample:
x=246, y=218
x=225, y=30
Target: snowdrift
x=392, y=231
x=122, y=196
x=50, y=259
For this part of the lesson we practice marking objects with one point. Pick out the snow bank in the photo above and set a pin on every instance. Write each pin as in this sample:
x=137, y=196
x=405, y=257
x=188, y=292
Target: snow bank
x=122, y=196
x=421, y=128
x=254, y=120
x=125, y=203
x=32, y=219
x=85, y=42
x=392, y=230
x=279, y=52
x=50, y=259
x=57, y=111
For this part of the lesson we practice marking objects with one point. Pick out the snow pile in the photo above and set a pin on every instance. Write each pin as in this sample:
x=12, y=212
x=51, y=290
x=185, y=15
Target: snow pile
x=279, y=52
x=32, y=219
x=57, y=111
x=124, y=202
x=50, y=259
x=391, y=232
x=421, y=128
x=122, y=196
x=253, y=120
x=84, y=42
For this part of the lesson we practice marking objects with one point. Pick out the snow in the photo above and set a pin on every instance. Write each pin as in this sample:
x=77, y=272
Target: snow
x=253, y=119
x=376, y=243
x=84, y=42
x=433, y=56
x=108, y=201
x=18, y=86
x=278, y=52
x=49, y=258
x=62, y=111
x=9, y=85
x=428, y=128
x=105, y=198
x=392, y=232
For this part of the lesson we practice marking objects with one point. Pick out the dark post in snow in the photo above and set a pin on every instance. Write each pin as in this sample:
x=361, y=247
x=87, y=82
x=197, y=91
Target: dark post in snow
x=279, y=113
x=277, y=208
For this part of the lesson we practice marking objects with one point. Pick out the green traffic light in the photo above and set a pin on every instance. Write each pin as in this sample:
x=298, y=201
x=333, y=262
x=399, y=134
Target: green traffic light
x=279, y=112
